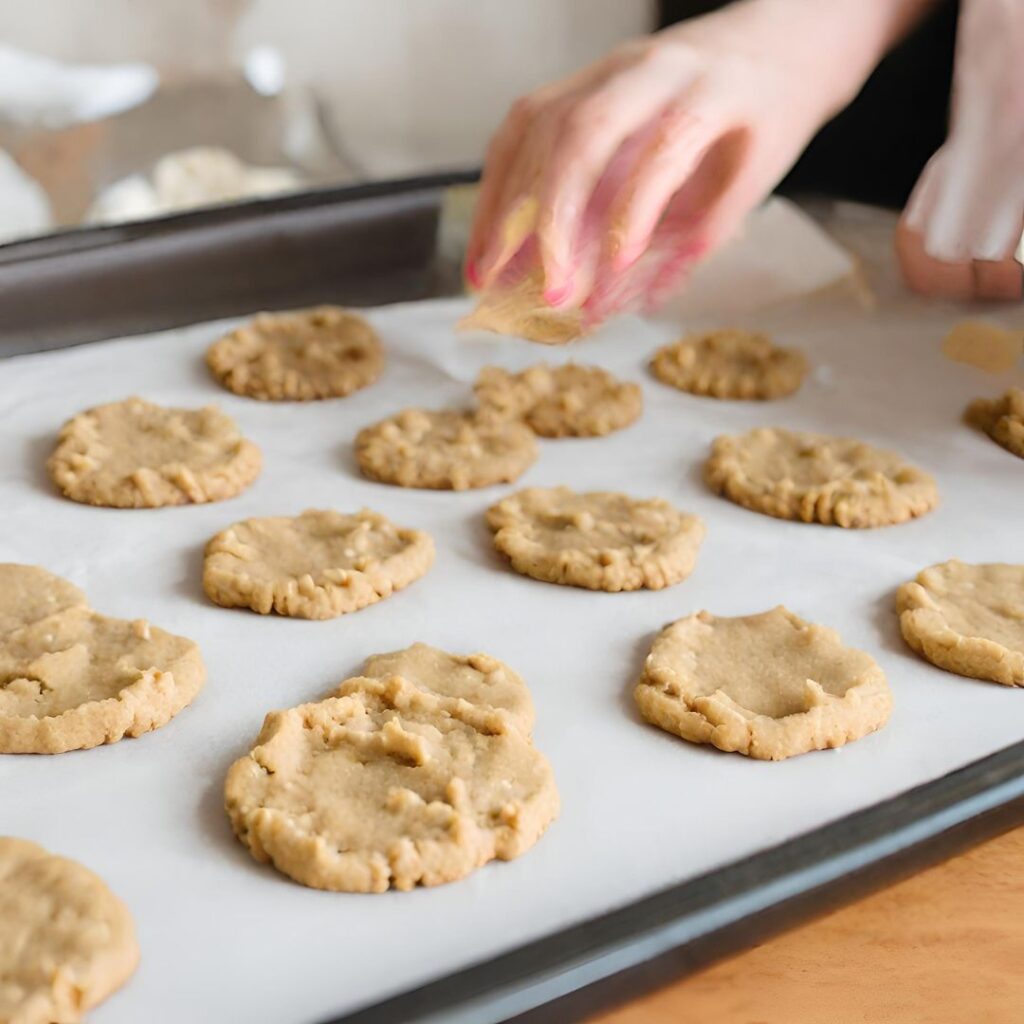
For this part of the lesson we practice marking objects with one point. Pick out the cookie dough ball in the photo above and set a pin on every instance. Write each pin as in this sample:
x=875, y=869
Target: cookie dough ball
x=317, y=565
x=520, y=311
x=324, y=352
x=600, y=540
x=134, y=454
x=967, y=619
x=837, y=481
x=561, y=401
x=1002, y=419
x=66, y=941
x=769, y=686
x=445, y=450
x=730, y=364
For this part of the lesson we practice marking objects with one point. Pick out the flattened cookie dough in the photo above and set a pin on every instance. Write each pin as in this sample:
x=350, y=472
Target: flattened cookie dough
x=561, y=401
x=967, y=619
x=134, y=454
x=75, y=679
x=816, y=478
x=445, y=450
x=324, y=352
x=730, y=364
x=389, y=785
x=28, y=594
x=66, y=941
x=769, y=685
x=521, y=311
x=1002, y=419
x=600, y=540
x=317, y=565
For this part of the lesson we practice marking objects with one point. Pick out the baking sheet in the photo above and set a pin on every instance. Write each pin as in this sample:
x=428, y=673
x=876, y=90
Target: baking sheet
x=225, y=939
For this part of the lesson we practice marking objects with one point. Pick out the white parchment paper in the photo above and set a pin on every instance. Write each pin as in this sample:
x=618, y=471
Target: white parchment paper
x=224, y=939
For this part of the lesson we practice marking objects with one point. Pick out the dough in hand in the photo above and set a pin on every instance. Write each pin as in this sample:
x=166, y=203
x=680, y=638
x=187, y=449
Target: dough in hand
x=560, y=401
x=317, y=565
x=324, y=352
x=520, y=310
x=1001, y=418
x=967, y=619
x=73, y=679
x=730, y=364
x=66, y=941
x=769, y=685
x=837, y=481
x=600, y=540
x=134, y=454
x=445, y=450
x=390, y=784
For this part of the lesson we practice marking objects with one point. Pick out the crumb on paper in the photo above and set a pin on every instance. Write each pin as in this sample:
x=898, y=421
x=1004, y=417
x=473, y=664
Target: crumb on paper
x=984, y=346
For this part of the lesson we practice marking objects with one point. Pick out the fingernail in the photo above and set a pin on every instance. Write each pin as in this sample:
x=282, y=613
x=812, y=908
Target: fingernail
x=556, y=295
x=472, y=273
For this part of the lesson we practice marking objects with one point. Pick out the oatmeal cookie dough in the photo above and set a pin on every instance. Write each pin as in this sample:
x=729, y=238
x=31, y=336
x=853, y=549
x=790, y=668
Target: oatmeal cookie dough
x=837, y=481
x=388, y=784
x=324, y=352
x=967, y=619
x=66, y=941
x=521, y=311
x=74, y=679
x=560, y=401
x=600, y=540
x=445, y=450
x=730, y=364
x=317, y=565
x=1002, y=419
x=134, y=454
x=28, y=594
x=769, y=685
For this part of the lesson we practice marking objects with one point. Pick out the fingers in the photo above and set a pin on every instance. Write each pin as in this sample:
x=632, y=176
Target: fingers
x=1000, y=281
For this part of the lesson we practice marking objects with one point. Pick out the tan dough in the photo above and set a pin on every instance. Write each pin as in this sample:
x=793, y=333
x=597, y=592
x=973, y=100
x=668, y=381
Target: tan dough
x=600, y=541
x=837, y=481
x=561, y=401
x=75, y=679
x=984, y=346
x=967, y=619
x=324, y=352
x=134, y=454
x=769, y=685
x=66, y=941
x=445, y=450
x=389, y=785
x=1002, y=419
x=318, y=565
x=730, y=364
x=520, y=311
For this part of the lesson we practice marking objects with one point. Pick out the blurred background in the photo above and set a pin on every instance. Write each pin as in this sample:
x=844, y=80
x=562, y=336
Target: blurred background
x=118, y=110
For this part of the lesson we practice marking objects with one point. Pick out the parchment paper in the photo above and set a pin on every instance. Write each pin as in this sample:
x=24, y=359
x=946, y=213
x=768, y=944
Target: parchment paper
x=224, y=939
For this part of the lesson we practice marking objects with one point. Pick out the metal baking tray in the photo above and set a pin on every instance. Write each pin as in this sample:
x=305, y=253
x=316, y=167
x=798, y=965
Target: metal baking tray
x=378, y=243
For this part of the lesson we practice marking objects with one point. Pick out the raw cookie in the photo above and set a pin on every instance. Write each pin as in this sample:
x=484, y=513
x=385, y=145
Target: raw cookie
x=967, y=619
x=730, y=364
x=600, y=540
x=769, y=685
x=75, y=679
x=324, y=352
x=134, y=454
x=445, y=449
x=389, y=785
x=1001, y=418
x=66, y=941
x=314, y=566
x=984, y=346
x=560, y=401
x=837, y=481
x=521, y=311
x=28, y=594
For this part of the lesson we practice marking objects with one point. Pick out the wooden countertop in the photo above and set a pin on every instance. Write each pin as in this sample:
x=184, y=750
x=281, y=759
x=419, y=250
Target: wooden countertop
x=943, y=947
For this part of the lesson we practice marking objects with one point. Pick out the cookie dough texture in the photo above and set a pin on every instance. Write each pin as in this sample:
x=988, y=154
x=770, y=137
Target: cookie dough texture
x=520, y=311
x=445, y=450
x=324, y=352
x=600, y=540
x=414, y=778
x=730, y=364
x=836, y=481
x=71, y=678
x=313, y=566
x=967, y=619
x=561, y=401
x=769, y=685
x=66, y=941
x=134, y=454
x=1002, y=419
